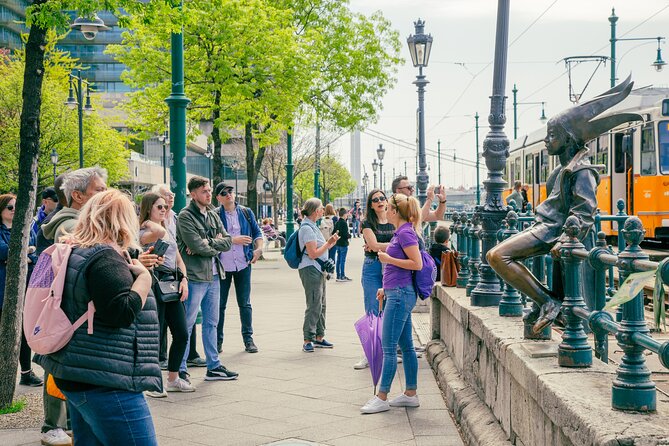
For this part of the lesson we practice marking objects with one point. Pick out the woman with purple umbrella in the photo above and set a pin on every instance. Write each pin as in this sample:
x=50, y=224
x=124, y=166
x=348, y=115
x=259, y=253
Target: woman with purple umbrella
x=401, y=258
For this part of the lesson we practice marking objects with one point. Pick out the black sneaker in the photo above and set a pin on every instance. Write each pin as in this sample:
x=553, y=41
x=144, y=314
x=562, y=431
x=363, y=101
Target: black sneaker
x=185, y=376
x=220, y=373
x=250, y=346
x=30, y=379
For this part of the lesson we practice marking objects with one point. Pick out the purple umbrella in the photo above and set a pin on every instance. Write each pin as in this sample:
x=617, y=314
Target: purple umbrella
x=369, y=329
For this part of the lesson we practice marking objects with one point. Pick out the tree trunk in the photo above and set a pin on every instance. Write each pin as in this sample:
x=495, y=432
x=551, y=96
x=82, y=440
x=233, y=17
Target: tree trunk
x=17, y=269
x=216, y=136
x=253, y=165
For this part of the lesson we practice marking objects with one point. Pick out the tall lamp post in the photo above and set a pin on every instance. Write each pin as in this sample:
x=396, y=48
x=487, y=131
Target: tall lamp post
x=365, y=182
x=290, y=221
x=495, y=151
x=420, y=46
x=54, y=161
x=164, y=140
x=381, y=152
x=542, y=118
x=177, y=102
x=658, y=64
x=77, y=102
x=375, y=165
x=478, y=162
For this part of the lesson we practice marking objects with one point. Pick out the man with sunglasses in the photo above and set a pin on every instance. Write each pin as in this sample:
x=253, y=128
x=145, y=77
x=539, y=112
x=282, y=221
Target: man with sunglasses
x=247, y=242
x=401, y=185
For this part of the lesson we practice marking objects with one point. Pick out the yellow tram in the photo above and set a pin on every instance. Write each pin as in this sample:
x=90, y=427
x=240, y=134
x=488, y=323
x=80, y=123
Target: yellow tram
x=636, y=157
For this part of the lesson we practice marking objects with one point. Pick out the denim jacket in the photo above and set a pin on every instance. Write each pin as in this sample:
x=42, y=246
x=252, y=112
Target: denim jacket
x=247, y=224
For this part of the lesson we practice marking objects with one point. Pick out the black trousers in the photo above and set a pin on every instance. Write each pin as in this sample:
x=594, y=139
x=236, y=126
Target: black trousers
x=174, y=316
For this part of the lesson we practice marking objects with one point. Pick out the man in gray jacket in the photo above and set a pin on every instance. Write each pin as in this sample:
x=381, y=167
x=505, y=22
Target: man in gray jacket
x=201, y=237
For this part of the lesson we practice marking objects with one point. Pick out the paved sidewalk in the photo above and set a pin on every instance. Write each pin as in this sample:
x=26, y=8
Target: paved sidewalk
x=284, y=396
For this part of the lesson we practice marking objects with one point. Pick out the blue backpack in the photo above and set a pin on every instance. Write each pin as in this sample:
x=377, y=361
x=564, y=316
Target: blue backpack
x=423, y=280
x=292, y=252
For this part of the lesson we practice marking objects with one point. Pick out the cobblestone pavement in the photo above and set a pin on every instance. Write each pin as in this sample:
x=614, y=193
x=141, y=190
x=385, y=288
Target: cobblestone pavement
x=286, y=397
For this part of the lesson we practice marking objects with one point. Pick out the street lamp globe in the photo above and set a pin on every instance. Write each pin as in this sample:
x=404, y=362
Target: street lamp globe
x=380, y=152
x=420, y=45
x=54, y=156
x=543, y=117
x=88, y=108
x=365, y=179
x=71, y=102
x=659, y=63
x=89, y=26
x=375, y=165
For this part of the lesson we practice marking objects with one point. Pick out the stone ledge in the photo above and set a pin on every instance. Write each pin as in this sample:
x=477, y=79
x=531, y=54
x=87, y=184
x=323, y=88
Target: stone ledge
x=535, y=401
x=476, y=421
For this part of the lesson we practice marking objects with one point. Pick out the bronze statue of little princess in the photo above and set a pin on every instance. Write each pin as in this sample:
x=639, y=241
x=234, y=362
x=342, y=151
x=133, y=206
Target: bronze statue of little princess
x=571, y=190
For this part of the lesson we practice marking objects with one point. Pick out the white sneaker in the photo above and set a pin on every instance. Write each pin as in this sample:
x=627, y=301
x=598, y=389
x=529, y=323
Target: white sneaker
x=156, y=394
x=56, y=437
x=405, y=401
x=362, y=364
x=375, y=405
x=399, y=359
x=180, y=385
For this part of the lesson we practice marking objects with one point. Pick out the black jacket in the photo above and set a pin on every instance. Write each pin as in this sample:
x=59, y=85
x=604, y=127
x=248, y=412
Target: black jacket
x=342, y=227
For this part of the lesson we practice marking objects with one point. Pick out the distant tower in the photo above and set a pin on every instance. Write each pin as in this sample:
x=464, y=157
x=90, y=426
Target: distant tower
x=356, y=164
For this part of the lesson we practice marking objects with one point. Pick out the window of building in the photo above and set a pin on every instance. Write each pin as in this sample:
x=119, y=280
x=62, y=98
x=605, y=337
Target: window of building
x=663, y=142
x=648, y=159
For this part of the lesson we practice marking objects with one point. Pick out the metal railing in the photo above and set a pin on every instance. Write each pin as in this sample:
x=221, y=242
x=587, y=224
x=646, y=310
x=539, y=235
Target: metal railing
x=632, y=388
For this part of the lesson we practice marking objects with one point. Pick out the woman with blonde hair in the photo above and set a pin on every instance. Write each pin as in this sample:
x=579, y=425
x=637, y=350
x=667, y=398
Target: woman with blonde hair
x=103, y=374
x=401, y=258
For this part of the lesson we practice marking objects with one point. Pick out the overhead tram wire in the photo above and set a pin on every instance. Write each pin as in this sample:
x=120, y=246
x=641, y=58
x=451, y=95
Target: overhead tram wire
x=471, y=81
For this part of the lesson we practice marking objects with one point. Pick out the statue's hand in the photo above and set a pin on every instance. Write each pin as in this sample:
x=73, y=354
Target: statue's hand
x=555, y=250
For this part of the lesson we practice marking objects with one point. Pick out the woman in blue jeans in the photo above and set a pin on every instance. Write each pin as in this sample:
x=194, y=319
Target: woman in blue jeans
x=401, y=258
x=104, y=373
x=376, y=232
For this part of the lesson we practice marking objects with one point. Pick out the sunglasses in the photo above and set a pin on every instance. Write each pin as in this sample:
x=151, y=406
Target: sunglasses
x=225, y=193
x=10, y=207
x=411, y=188
x=378, y=199
x=161, y=207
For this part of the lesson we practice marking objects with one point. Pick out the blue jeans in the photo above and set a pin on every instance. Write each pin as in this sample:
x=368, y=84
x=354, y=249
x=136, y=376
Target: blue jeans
x=331, y=253
x=355, y=232
x=397, y=331
x=105, y=416
x=207, y=295
x=341, y=260
x=243, y=292
x=372, y=280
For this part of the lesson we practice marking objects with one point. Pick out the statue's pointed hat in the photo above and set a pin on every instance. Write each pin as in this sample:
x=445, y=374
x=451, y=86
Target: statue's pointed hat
x=580, y=121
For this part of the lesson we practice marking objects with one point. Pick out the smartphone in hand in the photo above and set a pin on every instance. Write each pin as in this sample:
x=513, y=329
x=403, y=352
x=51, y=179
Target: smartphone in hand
x=160, y=248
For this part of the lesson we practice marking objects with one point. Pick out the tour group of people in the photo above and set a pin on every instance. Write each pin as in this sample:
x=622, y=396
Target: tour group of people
x=124, y=259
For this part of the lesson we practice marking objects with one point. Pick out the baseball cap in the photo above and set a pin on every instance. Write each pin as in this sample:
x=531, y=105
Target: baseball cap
x=50, y=194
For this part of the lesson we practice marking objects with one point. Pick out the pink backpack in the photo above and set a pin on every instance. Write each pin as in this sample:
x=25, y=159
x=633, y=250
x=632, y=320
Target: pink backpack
x=46, y=326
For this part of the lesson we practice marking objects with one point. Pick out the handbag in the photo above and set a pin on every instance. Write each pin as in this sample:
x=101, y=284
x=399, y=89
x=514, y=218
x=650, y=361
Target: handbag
x=167, y=289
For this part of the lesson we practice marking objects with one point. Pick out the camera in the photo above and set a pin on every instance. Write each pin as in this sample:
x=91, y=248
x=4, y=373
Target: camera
x=327, y=266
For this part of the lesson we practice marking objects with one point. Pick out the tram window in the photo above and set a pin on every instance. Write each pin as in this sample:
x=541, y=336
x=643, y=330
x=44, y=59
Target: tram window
x=529, y=170
x=619, y=150
x=648, y=163
x=518, y=172
x=544, y=166
x=602, y=156
x=663, y=137
x=592, y=150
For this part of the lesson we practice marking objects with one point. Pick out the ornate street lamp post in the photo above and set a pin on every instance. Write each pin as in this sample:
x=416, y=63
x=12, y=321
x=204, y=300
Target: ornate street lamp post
x=164, y=140
x=375, y=165
x=54, y=161
x=420, y=46
x=495, y=152
x=381, y=152
x=78, y=103
x=365, y=183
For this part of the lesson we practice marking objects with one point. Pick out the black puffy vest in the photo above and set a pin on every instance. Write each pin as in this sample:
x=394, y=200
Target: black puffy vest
x=121, y=358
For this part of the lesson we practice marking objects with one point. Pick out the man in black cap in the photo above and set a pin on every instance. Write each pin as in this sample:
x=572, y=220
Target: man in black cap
x=49, y=203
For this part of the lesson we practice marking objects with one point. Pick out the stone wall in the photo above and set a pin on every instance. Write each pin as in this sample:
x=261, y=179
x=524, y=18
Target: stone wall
x=534, y=401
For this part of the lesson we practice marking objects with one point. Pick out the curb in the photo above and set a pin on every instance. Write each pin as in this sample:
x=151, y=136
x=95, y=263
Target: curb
x=475, y=420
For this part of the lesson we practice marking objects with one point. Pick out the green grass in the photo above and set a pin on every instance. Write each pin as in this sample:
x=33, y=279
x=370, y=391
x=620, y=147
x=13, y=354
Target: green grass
x=16, y=406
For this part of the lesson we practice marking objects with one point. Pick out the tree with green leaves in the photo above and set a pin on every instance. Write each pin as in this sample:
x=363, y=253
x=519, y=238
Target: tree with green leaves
x=42, y=16
x=103, y=145
x=335, y=180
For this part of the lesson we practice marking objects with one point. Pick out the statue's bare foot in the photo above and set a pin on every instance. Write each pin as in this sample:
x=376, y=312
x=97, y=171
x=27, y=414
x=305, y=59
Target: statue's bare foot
x=549, y=312
x=532, y=317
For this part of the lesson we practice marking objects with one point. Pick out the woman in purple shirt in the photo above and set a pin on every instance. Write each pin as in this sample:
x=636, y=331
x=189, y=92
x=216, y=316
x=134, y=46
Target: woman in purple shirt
x=401, y=259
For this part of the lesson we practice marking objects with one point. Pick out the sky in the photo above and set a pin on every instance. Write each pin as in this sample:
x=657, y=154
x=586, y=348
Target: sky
x=541, y=34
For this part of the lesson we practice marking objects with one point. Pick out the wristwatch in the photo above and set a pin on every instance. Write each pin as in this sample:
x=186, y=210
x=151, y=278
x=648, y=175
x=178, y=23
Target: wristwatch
x=442, y=202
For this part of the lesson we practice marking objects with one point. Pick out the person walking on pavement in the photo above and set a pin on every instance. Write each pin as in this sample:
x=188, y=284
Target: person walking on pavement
x=201, y=237
x=194, y=359
x=401, y=185
x=152, y=213
x=103, y=373
x=247, y=241
x=516, y=196
x=401, y=258
x=356, y=216
x=315, y=248
x=341, y=228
